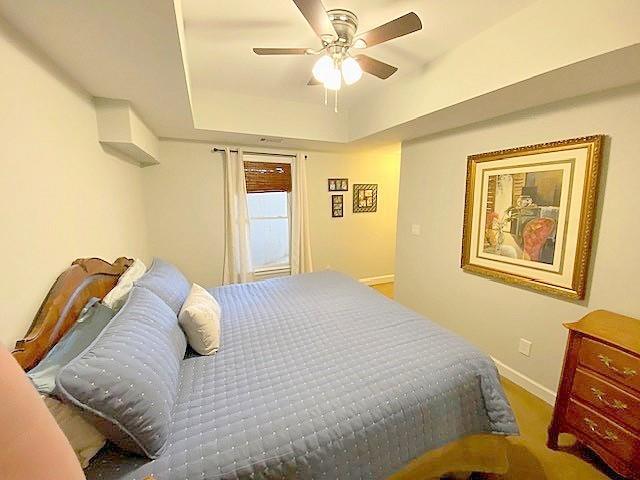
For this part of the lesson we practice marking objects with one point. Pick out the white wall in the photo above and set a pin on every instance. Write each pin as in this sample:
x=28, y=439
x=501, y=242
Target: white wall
x=61, y=196
x=490, y=314
x=185, y=211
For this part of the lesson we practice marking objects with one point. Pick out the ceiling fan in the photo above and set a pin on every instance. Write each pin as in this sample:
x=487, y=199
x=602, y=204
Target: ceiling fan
x=337, y=30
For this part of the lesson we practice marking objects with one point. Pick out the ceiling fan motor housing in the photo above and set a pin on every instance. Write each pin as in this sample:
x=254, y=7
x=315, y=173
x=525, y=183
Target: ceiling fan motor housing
x=345, y=24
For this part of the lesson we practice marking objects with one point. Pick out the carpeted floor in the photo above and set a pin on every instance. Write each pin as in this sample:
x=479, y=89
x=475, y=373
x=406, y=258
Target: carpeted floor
x=529, y=457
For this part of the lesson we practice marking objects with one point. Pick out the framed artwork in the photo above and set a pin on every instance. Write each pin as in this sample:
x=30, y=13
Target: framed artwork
x=337, y=206
x=365, y=197
x=338, y=184
x=529, y=214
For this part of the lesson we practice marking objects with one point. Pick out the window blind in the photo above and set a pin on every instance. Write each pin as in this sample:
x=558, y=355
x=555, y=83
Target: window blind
x=263, y=177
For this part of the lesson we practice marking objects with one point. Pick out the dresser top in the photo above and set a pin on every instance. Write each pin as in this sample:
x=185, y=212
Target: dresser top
x=611, y=328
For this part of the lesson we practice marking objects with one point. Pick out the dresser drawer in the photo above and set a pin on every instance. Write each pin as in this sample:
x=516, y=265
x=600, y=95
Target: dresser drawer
x=610, y=362
x=610, y=436
x=607, y=399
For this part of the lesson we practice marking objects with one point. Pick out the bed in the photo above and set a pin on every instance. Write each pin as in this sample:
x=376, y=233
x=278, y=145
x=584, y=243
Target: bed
x=317, y=377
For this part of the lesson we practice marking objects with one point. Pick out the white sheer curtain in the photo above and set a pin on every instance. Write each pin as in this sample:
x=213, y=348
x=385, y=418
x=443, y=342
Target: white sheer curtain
x=237, y=254
x=300, y=240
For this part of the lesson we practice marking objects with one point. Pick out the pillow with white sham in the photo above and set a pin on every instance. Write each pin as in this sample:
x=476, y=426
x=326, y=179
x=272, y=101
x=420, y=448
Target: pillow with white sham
x=84, y=438
x=118, y=295
x=200, y=320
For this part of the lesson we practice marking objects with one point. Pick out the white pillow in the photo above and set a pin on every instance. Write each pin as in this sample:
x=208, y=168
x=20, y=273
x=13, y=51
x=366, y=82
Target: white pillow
x=118, y=295
x=84, y=438
x=200, y=320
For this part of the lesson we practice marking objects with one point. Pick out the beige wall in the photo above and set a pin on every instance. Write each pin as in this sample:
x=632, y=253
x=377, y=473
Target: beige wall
x=184, y=199
x=543, y=37
x=61, y=195
x=490, y=314
x=185, y=211
x=360, y=244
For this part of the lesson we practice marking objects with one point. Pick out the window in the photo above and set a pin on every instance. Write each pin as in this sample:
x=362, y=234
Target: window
x=268, y=188
x=269, y=225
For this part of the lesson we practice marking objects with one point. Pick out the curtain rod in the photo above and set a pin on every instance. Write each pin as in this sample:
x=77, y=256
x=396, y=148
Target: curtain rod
x=235, y=150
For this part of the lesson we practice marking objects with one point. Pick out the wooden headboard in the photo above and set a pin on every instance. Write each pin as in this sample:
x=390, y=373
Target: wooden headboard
x=85, y=278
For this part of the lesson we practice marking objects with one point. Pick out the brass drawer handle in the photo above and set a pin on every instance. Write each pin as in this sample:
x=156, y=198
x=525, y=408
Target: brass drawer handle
x=625, y=372
x=616, y=404
x=607, y=435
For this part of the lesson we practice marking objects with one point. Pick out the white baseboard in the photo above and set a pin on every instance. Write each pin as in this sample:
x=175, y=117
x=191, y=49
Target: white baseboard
x=525, y=382
x=378, y=280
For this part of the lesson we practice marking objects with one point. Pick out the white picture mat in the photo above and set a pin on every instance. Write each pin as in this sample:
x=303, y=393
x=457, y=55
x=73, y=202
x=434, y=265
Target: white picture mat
x=560, y=274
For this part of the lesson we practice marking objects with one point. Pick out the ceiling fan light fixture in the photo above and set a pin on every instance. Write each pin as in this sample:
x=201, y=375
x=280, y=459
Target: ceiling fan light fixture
x=351, y=71
x=338, y=31
x=333, y=80
x=322, y=68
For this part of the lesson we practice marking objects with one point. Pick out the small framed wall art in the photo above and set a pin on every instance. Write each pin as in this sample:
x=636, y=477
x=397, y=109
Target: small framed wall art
x=337, y=206
x=338, y=184
x=365, y=197
x=529, y=214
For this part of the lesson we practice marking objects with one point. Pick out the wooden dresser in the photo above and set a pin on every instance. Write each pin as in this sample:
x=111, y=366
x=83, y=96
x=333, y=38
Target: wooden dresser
x=599, y=395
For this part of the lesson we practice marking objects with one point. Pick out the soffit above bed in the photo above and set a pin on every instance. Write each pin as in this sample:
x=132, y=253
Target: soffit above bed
x=192, y=75
x=121, y=128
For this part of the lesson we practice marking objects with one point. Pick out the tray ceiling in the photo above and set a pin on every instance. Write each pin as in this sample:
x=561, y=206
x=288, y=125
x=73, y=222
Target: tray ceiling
x=188, y=70
x=220, y=36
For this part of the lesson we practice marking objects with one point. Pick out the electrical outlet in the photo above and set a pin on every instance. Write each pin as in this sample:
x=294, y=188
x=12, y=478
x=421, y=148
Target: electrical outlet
x=415, y=229
x=524, y=347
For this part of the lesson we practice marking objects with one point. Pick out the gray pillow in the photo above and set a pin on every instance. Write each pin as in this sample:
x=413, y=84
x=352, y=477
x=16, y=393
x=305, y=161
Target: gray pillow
x=128, y=378
x=93, y=318
x=167, y=282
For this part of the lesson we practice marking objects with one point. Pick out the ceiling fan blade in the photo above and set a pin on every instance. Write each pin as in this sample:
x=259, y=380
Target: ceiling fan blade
x=399, y=27
x=280, y=51
x=316, y=16
x=376, y=67
x=313, y=82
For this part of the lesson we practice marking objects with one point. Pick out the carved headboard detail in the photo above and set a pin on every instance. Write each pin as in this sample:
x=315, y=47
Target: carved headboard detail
x=85, y=278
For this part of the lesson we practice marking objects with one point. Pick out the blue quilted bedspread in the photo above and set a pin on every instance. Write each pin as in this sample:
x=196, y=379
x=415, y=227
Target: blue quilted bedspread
x=320, y=377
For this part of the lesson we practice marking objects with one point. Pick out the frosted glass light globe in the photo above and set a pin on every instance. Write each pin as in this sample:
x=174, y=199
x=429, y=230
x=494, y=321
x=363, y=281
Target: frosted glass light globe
x=322, y=68
x=351, y=71
x=333, y=80
x=359, y=43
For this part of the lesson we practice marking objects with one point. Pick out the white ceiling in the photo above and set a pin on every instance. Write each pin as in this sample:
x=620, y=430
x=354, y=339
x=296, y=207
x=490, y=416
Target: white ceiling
x=220, y=36
x=116, y=49
x=473, y=60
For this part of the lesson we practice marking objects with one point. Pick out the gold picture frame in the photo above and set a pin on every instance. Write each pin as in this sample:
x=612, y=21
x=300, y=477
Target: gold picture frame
x=542, y=239
x=365, y=197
